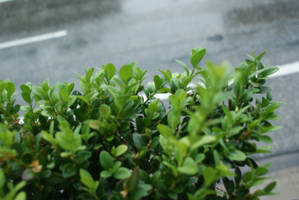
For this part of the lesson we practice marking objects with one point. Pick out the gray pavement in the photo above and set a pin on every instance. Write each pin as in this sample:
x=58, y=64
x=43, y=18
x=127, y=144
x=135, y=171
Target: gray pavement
x=154, y=34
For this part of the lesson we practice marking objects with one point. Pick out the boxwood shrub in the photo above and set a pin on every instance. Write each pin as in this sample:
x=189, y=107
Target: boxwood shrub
x=115, y=139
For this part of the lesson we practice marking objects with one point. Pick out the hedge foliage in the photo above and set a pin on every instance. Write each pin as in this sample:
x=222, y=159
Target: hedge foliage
x=114, y=139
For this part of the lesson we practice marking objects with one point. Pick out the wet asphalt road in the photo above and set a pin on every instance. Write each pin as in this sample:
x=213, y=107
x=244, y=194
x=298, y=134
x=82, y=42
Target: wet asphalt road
x=154, y=34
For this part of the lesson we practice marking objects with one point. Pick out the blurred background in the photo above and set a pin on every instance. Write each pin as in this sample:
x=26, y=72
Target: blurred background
x=57, y=38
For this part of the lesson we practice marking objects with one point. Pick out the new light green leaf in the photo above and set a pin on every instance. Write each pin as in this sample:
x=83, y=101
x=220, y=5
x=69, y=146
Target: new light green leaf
x=126, y=73
x=6, y=137
x=236, y=155
x=173, y=118
x=87, y=179
x=206, y=139
x=209, y=175
x=122, y=173
x=67, y=139
x=106, y=174
x=164, y=130
x=48, y=137
x=21, y=196
x=121, y=149
x=189, y=167
x=196, y=56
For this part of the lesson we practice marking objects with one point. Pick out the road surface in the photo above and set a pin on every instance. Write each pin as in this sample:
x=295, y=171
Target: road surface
x=57, y=38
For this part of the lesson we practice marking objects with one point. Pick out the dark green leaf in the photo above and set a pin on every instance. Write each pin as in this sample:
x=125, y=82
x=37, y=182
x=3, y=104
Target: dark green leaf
x=139, y=140
x=26, y=93
x=158, y=82
x=106, y=160
x=68, y=170
x=270, y=187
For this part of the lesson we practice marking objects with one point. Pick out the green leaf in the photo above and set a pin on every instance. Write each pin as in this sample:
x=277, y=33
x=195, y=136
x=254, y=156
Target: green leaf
x=121, y=149
x=104, y=110
x=229, y=185
x=209, y=175
x=260, y=171
x=116, y=165
x=21, y=196
x=234, y=131
x=132, y=182
x=206, y=139
x=67, y=139
x=68, y=170
x=270, y=187
x=236, y=155
x=63, y=92
x=164, y=130
x=122, y=173
x=248, y=176
x=26, y=93
x=83, y=156
x=10, y=88
x=173, y=118
x=46, y=173
x=259, y=181
x=158, y=82
x=265, y=138
x=126, y=73
x=94, y=124
x=106, y=174
x=109, y=70
x=184, y=66
x=267, y=71
x=2, y=179
x=139, y=140
x=196, y=56
x=106, y=160
x=259, y=57
x=6, y=137
x=189, y=167
x=87, y=179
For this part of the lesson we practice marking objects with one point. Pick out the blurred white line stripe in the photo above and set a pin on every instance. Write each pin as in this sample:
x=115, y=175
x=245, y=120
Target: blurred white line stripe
x=3, y=1
x=284, y=70
x=287, y=69
x=33, y=39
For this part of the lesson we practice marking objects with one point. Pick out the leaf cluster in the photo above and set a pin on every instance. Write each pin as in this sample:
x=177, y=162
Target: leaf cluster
x=115, y=139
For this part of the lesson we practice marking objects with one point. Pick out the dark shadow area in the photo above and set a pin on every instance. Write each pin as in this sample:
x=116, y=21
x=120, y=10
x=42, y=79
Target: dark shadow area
x=31, y=15
x=262, y=13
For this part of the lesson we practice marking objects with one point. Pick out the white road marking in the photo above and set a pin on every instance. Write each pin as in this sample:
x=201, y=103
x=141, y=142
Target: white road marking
x=287, y=69
x=284, y=70
x=3, y=1
x=33, y=39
